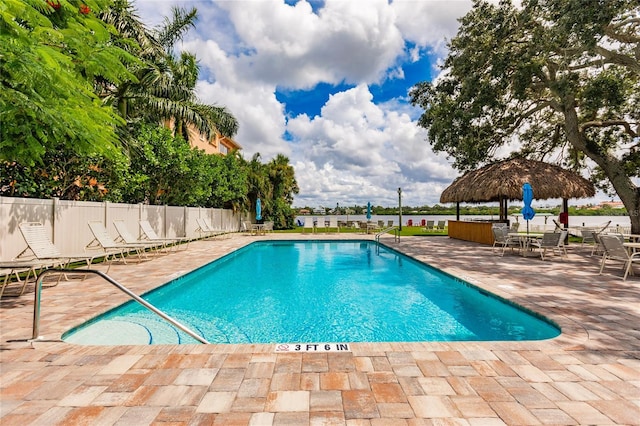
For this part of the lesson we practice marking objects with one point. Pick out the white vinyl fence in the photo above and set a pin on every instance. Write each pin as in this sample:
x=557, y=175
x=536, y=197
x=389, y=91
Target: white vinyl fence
x=67, y=221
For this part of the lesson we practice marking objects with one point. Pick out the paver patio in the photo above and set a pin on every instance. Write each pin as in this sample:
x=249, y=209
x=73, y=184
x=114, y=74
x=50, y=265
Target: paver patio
x=588, y=375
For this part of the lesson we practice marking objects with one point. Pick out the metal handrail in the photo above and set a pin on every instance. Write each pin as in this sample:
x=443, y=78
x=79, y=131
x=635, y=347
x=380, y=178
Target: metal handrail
x=384, y=231
x=38, y=291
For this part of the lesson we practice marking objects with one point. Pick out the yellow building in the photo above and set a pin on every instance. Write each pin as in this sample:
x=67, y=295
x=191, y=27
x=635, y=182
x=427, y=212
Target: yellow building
x=217, y=144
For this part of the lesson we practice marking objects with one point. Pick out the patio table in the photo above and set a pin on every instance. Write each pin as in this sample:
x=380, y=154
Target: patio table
x=257, y=229
x=525, y=242
x=633, y=247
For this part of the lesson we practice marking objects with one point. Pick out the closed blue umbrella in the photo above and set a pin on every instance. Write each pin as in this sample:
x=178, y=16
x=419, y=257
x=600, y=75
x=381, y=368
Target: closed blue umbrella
x=258, y=209
x=369, y=211
x=527, y=211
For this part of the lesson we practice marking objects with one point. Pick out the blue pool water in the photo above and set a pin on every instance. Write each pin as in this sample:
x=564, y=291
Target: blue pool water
x=316, y=291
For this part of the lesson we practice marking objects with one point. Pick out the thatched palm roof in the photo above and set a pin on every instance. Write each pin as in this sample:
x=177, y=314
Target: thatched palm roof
x=504, y=180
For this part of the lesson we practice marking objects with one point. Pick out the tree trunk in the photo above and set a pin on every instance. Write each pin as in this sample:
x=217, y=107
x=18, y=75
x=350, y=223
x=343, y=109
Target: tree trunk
x=623, y=185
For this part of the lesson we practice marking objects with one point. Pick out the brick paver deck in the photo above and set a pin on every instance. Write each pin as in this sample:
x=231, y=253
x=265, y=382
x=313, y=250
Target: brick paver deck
x=588, y=375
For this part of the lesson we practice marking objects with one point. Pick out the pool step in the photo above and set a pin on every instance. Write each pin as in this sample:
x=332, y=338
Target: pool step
x=144, y=328
x=111, y=332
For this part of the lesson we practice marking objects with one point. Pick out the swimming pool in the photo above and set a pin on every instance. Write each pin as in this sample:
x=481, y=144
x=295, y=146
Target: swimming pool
x=316, y=291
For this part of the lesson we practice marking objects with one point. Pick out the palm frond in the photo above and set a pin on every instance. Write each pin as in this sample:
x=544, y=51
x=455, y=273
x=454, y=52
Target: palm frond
x=174, y=28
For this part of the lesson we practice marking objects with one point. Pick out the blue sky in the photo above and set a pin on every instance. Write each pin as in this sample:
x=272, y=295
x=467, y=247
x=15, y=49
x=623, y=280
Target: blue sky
x=325, y=83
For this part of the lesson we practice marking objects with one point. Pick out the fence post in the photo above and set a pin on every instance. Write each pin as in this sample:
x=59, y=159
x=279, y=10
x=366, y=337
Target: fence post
x=140, y=206
x=185, y=216
x=106, y=213
x=164, y=220
x=54, y=213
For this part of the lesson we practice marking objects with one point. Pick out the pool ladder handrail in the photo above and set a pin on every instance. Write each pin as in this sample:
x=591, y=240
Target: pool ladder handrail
x=38, y=290
x=396, y=234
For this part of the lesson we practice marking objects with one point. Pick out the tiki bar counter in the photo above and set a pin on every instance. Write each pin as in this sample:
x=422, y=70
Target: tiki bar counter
x=503, y=181
x=472, y=230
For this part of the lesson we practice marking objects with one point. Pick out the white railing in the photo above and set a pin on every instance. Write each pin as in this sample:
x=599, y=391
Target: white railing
x=67, y=221
x=396, y=233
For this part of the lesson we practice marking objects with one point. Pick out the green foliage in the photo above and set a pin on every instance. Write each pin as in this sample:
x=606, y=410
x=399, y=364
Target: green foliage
x=65, y=175
x=275, y=184
x=49, y=60
x=164, y=86
x=84, y=88
x=231, y=182
x=166, y=170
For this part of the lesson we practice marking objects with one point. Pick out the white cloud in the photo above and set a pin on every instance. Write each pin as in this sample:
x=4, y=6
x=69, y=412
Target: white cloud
x=295, y=48
x=356, y=150
x=430, y=23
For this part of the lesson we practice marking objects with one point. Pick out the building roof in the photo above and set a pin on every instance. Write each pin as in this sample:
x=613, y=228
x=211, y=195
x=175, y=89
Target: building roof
x=504, y=180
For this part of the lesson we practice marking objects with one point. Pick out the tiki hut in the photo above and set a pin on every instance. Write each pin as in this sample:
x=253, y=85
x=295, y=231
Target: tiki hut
x=502, y=181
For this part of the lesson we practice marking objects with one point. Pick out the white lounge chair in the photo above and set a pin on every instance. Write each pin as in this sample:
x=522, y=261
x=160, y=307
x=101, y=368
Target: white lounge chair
x=103, y=240
x=42, y=249
x=125, y=237
x=440, y=226
x=149, y=234
x=207, y=231
x=614, y=249
x=16, y=268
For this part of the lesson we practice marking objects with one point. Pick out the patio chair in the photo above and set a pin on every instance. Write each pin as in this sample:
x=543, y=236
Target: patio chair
x=149, y=234
x=333, y=224
x=125, y=237
x=587, y=233
x=501, y=239
x=41, y=249
x=268, y=226
x=245, y=226
x=440, y=226
x=614, y=249
x=431, y=225
x=102, y=240
x=308, y=224
x=550, y=240
x=597, y=244
x=320, y=224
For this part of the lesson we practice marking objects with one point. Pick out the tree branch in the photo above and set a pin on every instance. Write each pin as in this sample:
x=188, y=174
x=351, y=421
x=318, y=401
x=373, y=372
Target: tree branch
x=617, y=58
x=609, y=123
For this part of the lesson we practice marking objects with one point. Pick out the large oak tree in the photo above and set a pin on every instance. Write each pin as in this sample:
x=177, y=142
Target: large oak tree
x=559, y=80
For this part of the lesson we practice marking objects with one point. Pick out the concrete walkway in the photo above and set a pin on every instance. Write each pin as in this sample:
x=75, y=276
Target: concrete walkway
x=588, y=375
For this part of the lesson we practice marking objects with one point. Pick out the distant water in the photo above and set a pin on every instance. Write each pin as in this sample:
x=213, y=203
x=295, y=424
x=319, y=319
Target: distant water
x=539, y=221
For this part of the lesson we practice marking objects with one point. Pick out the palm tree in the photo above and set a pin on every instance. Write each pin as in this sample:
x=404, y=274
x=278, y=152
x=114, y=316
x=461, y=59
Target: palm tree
x=165, y=86
x=259, y=185
x=283, y=179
